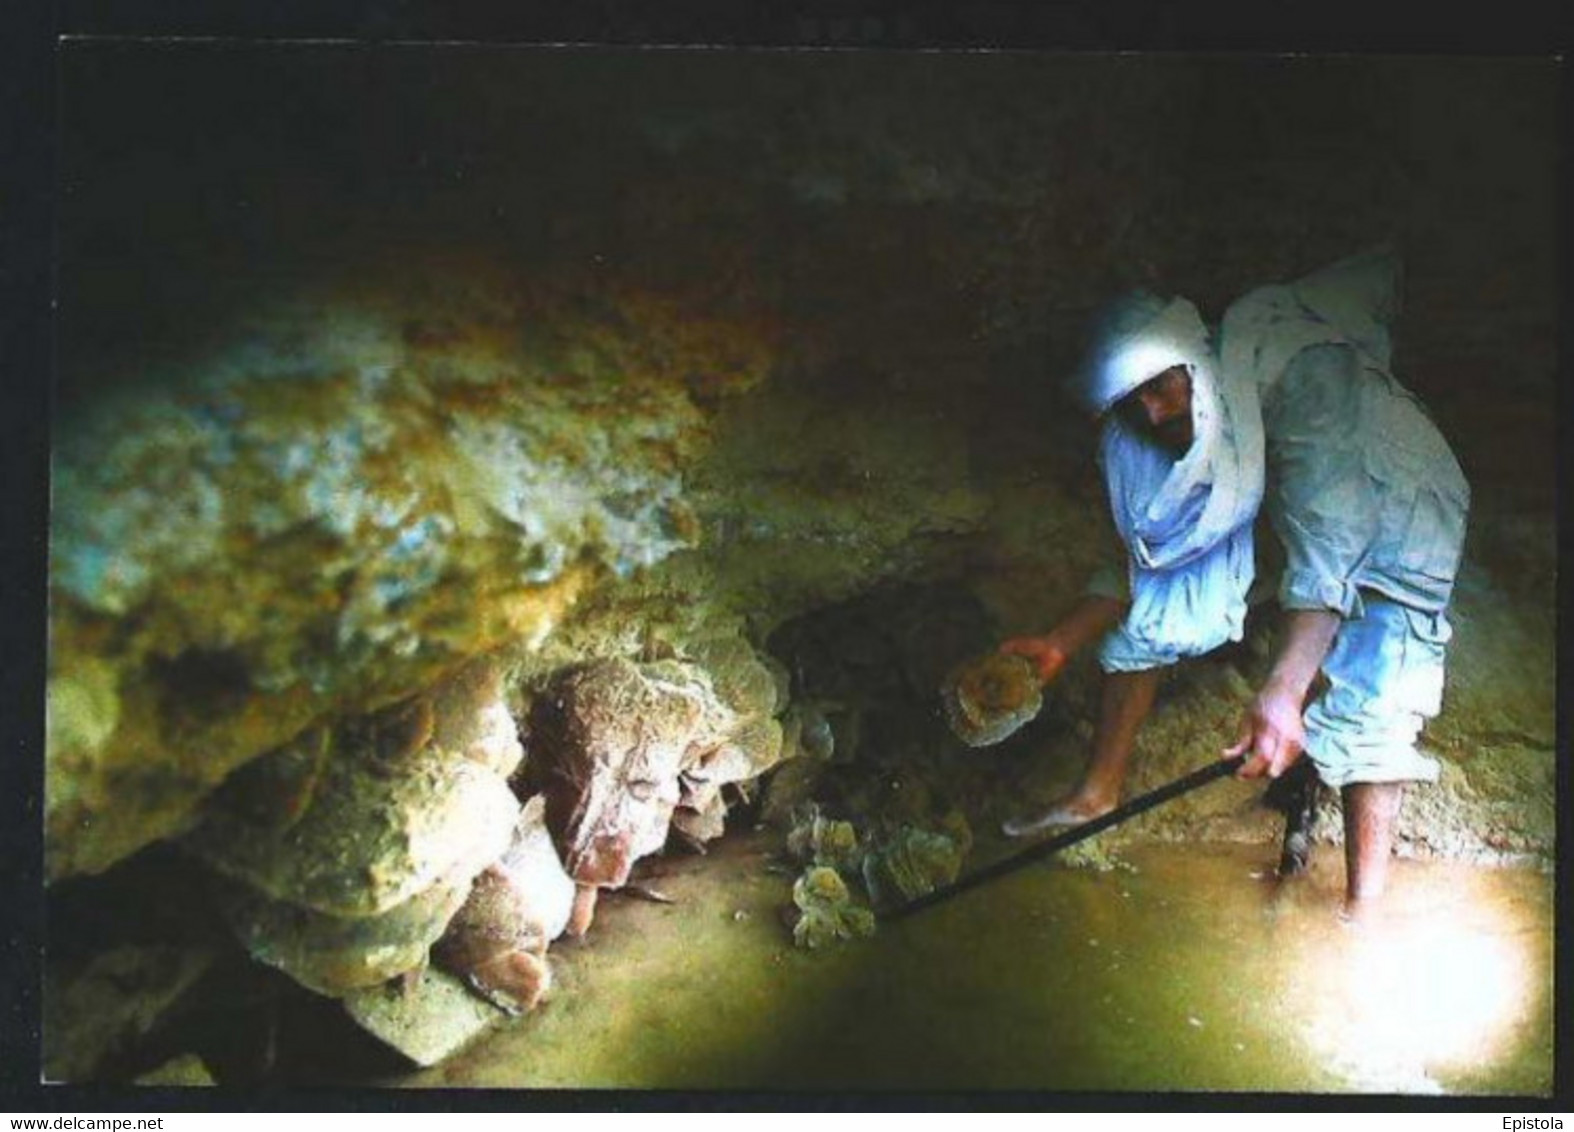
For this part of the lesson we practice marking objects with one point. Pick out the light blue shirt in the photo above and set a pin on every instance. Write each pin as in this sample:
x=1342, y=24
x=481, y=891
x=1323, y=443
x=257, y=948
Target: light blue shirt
x=1363, y=491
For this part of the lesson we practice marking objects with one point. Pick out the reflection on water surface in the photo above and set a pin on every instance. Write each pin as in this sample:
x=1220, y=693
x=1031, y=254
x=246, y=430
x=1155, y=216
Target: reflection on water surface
x=1191, y=969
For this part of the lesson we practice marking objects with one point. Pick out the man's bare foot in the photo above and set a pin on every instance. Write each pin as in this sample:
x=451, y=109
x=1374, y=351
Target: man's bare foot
x=1068, y=812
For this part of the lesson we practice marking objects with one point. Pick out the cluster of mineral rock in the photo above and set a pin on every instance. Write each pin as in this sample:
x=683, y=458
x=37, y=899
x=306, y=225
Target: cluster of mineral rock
x=354, y=853
x=307, y=587
x=625, y=751
x=848, y=876
x=357, y=853
x=352, y=847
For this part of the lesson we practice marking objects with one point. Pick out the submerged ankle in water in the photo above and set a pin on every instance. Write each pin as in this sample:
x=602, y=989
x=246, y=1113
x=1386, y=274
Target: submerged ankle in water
x=1358, y=911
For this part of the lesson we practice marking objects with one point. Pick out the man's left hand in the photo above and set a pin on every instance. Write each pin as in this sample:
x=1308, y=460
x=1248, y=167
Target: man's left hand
x=1272, y=735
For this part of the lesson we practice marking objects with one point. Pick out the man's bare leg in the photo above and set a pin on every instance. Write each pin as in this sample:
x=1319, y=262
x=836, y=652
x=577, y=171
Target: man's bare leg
x=1371, y=810
x=1125, y=701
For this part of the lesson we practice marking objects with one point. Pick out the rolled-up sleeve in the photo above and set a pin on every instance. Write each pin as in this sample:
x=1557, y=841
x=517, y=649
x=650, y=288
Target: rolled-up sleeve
x=1323, y=503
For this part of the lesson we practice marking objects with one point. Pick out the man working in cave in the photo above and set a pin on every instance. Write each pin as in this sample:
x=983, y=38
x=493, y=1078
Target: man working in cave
x=1292, y=407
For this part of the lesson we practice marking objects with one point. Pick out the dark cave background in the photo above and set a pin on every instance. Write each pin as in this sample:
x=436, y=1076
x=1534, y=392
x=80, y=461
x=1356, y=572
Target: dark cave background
x=954, y=216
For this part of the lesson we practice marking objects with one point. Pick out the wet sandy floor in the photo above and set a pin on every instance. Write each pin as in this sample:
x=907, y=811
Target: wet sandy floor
x=1188, y=970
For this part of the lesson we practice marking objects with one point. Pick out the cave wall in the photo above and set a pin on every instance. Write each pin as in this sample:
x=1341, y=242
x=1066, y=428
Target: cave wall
x=373, y=362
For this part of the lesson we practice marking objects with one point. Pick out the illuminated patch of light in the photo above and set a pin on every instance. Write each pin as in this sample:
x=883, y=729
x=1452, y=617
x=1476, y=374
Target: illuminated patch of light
x=1394, y=1003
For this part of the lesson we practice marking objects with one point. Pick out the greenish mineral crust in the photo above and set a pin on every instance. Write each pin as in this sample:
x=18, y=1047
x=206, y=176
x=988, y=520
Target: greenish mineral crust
x=428, y=1023
x=1090, y=854
x=334, y=503
x=369, y=842
x=345, y=853
x=334, y=955
x=357, y=820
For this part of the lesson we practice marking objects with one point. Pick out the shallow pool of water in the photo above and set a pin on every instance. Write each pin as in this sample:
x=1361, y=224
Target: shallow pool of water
x=1189, y=969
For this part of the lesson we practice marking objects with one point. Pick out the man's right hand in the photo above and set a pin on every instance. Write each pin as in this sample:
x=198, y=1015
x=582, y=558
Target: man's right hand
x=1046, y=653
x=1272, y=735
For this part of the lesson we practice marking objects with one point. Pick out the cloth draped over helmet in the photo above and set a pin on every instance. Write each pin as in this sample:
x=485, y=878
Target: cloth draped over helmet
x=1187, y=521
